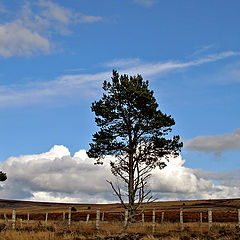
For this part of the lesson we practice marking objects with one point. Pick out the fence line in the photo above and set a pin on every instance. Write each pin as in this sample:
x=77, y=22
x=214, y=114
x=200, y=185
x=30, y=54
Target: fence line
x=143, y=216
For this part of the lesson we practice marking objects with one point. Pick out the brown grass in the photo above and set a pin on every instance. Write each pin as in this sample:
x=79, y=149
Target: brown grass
x=56, y=230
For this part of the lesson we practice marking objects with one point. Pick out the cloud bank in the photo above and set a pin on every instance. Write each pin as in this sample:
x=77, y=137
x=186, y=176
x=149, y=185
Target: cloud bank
x=58, y=176
x=215, y=144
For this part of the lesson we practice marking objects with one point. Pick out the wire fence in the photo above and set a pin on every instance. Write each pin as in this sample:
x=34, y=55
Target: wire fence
x=181, y=216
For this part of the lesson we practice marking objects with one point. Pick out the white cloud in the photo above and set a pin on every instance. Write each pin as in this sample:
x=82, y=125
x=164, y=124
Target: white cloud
x=88, y=84
x=179, y=182
x=204, y=49
x=153, y=69
x=16, y=39
x=53, y=11
x=123, y=63
x=146, y=3
x=57, y=176
x=30, y=32
x=89, y=19
x=230, y=179
x=65, y=86
x=215, y=144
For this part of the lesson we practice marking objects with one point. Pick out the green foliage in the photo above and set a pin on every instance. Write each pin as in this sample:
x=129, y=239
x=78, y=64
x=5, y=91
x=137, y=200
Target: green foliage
x=3, y=176
x=128, y=119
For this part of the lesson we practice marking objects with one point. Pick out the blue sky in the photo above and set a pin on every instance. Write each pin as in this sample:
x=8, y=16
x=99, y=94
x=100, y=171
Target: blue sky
x=54, y=56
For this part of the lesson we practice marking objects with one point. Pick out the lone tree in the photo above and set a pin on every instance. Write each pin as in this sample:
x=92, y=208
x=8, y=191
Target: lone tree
x=133, y=130
x=3, y=176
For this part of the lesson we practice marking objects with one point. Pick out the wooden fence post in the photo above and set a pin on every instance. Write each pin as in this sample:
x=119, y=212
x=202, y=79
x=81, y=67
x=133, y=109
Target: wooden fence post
x=154, y=220
x=6, y=219
x=98, y=218
x=21, y=224
x=143, y=219
x=64, y=216
x=210, y=219
x=181, y=218
x=103, y=217
x=28, y=218
x=69, y=216
x=200, y=219
x=162, y=218
x=126, y=218
x=46, y=217
x=14, y=218
x=87, y=218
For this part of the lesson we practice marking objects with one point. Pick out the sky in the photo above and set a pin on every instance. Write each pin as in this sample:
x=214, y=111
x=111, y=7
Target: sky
x=54, y=57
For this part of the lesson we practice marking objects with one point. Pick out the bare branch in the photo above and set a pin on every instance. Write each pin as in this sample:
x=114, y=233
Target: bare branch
x=118, y=193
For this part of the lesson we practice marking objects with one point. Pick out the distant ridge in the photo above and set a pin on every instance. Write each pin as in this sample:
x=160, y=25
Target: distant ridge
x=230, y=203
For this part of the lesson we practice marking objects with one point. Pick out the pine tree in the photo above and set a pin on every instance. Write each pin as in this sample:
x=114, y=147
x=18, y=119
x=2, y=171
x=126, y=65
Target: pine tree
x=134, y=131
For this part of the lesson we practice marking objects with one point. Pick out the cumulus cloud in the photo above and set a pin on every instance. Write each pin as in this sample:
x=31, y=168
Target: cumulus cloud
x=70, y=85
x=58, y=176
x=30, y=32
x=179, y=182
x=215, y=144
x=55, y=174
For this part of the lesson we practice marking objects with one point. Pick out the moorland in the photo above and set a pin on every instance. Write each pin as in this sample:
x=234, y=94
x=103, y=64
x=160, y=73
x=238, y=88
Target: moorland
x=224, y=216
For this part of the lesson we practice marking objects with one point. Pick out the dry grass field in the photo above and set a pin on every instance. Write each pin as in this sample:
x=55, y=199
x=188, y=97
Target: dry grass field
x=56, y=230
x=225, y=221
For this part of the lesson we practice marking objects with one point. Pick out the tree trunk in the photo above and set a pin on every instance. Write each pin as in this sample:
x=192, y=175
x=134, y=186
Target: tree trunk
x=131, y=196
